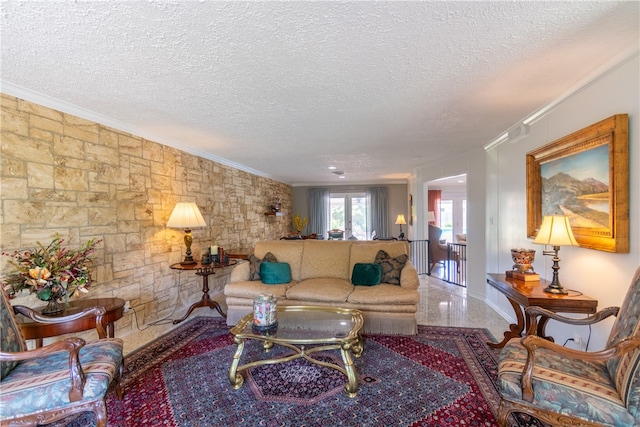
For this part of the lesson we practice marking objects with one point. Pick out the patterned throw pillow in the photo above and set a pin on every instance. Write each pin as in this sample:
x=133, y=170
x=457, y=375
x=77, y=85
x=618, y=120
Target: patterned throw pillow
x=254, y=264
x=391, y=267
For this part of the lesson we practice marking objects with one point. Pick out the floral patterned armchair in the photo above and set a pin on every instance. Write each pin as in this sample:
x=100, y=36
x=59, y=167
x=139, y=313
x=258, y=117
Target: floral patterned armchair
x=49, y=383
x=566, y=387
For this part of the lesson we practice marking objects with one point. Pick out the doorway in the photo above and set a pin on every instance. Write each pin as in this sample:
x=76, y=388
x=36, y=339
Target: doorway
x=448, y=199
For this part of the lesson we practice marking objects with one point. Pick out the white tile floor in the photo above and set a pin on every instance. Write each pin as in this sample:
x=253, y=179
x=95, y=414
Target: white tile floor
x=441, y=304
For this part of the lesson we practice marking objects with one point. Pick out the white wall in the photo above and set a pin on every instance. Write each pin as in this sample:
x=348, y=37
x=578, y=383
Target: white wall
x=473, y=165
x=496, y=190
x=600, y=275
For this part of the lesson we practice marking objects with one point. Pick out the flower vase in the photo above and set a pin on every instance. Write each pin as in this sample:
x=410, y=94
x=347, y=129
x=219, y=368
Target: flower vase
x=54, y=306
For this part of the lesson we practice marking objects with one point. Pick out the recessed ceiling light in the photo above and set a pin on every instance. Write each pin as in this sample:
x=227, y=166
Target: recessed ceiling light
x=342, y=176
x=332, y=168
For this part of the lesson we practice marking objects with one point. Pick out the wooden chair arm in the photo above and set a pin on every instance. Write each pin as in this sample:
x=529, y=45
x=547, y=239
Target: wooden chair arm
x=534, y=312
x=98, y=312
x=71, y=345
x=532, y=342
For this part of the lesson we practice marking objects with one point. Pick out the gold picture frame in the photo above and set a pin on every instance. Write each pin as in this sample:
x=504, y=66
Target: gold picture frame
x=584, y=175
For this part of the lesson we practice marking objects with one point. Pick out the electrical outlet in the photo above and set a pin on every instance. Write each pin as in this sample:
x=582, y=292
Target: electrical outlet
x=127, y=305
x=577, y=339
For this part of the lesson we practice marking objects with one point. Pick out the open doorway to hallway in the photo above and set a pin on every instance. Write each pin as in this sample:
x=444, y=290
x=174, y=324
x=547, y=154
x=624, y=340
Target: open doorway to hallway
x=447, y=199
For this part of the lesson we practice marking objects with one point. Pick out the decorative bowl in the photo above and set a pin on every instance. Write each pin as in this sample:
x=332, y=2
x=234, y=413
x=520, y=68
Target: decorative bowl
x=523, y=260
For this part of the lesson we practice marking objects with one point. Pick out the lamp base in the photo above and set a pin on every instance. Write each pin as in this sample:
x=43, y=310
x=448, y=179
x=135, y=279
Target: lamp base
x=188, y=258
x=558, y=291
x=555, y=287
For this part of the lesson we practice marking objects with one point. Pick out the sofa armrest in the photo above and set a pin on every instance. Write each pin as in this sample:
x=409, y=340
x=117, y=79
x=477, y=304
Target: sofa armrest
x=409, y=277
x=240, y=272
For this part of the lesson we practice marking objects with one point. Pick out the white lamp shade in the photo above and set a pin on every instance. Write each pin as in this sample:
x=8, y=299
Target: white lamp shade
x=400, y=219
x=431, y=216
x=186, y=215
x=555, y=231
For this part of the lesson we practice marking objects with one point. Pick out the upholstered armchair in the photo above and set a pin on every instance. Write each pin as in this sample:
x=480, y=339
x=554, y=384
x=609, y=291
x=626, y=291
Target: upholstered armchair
x=49, y=383
x=438, y=251
x=566, y=387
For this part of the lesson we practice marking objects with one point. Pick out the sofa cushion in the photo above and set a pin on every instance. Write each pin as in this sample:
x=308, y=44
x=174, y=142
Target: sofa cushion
x=383, y=294
x=251, y=289
x=275, y=273
x=254, y=264
x=366, y=274
x=321, y=289
x=326, y=258
x=289, y=251
x=391, y=267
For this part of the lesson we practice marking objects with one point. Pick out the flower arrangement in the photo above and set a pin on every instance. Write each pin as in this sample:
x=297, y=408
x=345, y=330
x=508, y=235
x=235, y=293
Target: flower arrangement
x=300, y=223
x=52, y=271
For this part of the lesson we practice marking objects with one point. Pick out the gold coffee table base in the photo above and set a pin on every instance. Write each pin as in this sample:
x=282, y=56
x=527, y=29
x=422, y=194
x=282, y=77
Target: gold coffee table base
x=347, y=342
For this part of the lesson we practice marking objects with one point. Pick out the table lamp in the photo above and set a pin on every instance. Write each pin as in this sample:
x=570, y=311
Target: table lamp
x=555, y=231
x=186, y=216
x=400, y=220
x=431, y=217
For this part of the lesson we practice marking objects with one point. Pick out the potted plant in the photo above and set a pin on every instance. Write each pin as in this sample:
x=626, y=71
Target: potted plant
x=52, y=272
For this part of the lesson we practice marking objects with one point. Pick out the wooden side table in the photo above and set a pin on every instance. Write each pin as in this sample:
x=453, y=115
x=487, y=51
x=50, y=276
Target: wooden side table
x=37, y=331
x=204, y=270
x=523, y=294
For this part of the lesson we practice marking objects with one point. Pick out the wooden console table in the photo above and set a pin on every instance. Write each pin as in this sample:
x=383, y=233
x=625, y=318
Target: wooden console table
x=204, y=270
x=33, y=330
x=523, y=294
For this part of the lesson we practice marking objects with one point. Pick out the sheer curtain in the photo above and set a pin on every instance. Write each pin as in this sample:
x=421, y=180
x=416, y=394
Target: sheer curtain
x=378, y=200
x=319, y=211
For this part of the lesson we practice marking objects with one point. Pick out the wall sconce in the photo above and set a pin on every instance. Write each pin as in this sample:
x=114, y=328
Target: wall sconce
x=400, y=221
x=186, y=216
x=556, y=231
x=431, y=217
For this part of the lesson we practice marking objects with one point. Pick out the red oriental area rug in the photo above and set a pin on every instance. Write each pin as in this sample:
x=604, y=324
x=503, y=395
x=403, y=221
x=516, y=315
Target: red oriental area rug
x=440, y=377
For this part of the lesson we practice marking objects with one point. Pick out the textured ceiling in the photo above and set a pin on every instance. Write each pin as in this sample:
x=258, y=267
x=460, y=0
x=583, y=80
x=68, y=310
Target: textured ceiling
x=286, y=89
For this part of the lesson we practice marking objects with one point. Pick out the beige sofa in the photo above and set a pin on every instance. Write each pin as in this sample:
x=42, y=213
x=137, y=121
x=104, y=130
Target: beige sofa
x=321, y=275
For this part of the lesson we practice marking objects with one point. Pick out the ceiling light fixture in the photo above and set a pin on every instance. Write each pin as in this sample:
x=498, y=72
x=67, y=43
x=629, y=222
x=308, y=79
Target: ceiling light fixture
x=332, y=168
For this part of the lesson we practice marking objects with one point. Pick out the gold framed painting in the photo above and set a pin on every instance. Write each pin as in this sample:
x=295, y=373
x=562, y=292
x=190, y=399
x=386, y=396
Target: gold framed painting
x=584, y=175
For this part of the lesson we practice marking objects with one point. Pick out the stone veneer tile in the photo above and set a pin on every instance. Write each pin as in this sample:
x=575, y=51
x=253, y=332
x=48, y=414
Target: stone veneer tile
x=67, y=175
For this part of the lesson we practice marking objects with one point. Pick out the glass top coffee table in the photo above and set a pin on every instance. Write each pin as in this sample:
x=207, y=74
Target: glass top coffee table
x=306, y=330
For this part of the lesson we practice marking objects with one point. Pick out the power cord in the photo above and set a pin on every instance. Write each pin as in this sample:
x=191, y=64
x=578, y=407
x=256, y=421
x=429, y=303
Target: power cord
x=586, y=346
x=164, y=321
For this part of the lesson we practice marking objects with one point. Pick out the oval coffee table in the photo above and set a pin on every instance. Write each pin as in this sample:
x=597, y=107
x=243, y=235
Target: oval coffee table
x=324, y=328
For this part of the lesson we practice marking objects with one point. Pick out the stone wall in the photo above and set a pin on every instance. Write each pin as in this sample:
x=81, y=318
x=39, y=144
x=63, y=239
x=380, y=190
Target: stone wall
x=63, y=174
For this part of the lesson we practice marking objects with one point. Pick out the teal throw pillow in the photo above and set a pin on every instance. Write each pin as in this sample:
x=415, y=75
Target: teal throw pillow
x=366, y=274
x=275, y=273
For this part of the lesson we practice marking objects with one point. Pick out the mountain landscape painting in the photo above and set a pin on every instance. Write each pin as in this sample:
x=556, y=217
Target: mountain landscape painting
x=578, y=186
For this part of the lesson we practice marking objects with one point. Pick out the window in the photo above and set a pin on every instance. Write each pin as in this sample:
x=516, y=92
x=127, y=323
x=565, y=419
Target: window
x=349, y=213
x=453, y=216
